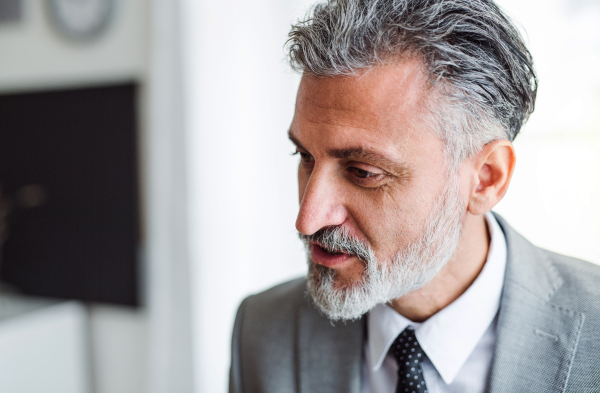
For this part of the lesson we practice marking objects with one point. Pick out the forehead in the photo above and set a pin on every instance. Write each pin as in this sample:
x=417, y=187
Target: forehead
x=384, y=104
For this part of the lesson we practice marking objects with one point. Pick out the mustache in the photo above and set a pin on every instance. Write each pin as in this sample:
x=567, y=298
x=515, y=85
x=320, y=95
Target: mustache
x=339, y=240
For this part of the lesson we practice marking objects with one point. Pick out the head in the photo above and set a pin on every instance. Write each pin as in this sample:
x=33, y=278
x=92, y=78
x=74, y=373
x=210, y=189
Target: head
x=404, y=121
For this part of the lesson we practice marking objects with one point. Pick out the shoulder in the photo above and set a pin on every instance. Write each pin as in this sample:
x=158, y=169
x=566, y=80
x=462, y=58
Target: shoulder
x=270, y=316
x=580, y=289
x=286, y=291
x=264, y=339
x=576, y=268
x=568, y=282
x=580, y=292
x=282, y=298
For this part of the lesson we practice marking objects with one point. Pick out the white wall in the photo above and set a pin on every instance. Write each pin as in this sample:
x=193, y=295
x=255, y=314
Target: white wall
x=553, y=198
x=33, y=57
x=169, y=298
x=243, y=192
x=44, y=348
x=119, y=346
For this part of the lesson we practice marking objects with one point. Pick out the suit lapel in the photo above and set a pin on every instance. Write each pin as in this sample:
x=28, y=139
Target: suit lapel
x=536, y=340
x=330, y=355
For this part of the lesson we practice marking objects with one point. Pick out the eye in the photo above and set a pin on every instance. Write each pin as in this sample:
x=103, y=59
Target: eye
x=361, y=173
x=365, y=178
x=305, y=158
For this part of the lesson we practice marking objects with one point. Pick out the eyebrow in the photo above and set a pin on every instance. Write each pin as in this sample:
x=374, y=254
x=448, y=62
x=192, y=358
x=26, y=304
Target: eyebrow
x=361, y=154
x=295, y=141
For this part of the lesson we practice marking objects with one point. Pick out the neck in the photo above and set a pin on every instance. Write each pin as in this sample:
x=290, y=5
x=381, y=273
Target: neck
x=454, y=279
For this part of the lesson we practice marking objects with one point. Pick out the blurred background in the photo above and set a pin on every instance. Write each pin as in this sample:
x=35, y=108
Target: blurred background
x=146, y=185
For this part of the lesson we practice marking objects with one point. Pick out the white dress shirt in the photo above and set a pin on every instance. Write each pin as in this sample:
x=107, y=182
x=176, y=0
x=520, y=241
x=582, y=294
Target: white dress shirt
x=459, y=340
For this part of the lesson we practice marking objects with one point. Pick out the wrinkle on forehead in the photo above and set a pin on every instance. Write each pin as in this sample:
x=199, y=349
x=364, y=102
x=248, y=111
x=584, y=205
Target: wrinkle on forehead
x=372, y=100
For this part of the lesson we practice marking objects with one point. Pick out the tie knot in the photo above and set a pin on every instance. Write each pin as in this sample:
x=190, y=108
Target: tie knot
x=406, y=349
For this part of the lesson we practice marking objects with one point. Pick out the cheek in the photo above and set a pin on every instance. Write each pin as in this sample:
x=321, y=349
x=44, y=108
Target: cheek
x=382, y=216
x=389, y=219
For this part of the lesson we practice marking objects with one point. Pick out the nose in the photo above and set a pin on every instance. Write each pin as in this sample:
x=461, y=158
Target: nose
x=321, y=205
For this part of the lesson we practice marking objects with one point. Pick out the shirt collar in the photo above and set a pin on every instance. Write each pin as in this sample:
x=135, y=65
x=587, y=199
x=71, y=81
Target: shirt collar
x=450, y=336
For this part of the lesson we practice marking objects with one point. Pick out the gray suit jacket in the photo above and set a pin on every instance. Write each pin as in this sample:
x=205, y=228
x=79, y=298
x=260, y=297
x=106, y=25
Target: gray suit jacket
x=548, y=337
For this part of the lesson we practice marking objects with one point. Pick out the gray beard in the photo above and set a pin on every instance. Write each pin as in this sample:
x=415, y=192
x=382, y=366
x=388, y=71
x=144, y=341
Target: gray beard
x=382, y=282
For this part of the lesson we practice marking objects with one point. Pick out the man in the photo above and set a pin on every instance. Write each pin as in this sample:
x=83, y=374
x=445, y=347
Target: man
x=404, y=120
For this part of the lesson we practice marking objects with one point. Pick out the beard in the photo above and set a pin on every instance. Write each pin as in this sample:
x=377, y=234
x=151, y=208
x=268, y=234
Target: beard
x=383, y=281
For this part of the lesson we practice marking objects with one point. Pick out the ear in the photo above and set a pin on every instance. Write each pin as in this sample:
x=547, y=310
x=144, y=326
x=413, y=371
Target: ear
x=492, y=169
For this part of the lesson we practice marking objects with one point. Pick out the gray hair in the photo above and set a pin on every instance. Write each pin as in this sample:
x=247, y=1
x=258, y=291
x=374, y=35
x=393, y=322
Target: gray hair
x=473, y=54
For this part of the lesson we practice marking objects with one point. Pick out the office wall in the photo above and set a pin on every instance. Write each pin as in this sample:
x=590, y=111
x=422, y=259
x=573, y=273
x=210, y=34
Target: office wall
x=34, y=57
x=219, y=182
x=243, y=192
x=553, y=198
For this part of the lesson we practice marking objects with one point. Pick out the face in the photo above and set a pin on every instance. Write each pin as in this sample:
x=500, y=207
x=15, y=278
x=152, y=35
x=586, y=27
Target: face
x=373, y=184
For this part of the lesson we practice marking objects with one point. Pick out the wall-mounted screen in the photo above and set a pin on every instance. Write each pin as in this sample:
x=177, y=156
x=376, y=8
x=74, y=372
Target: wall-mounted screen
x=69, y=211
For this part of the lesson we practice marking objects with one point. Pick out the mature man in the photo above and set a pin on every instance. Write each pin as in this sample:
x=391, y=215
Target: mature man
x=404, y=120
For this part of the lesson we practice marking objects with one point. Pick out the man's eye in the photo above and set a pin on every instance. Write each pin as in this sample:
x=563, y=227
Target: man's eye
x=361, y=173
x=305, y=157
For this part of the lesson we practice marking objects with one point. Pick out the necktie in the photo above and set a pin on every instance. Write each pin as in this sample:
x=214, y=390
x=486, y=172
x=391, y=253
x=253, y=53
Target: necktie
x=409, y=355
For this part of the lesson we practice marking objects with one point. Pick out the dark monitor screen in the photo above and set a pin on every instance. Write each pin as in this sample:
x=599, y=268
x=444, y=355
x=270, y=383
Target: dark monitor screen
x=69, y=216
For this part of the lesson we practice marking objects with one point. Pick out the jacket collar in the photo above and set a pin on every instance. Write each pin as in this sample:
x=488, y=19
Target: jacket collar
x=536, y=339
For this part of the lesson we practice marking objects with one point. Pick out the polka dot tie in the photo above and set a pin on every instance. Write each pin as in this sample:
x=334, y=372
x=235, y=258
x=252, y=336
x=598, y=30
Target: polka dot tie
x=409, y=355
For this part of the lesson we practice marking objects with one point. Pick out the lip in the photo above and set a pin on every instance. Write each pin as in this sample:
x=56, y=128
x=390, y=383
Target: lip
x=322, y=257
